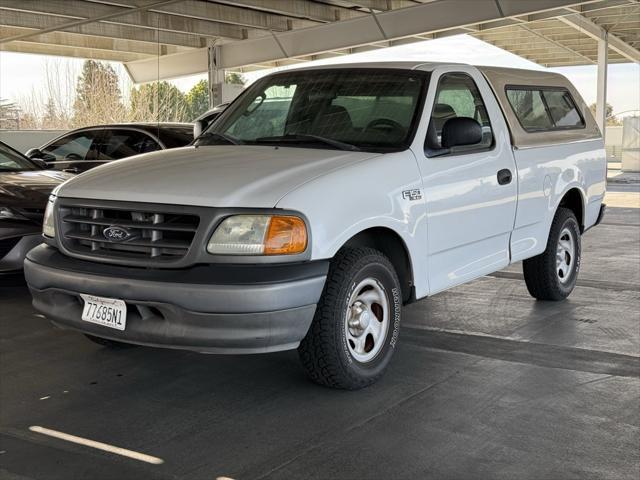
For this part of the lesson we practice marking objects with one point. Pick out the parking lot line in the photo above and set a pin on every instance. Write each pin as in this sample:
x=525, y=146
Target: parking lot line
x=97, y=445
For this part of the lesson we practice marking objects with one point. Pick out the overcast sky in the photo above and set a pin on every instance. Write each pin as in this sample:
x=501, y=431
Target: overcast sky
x=20, y=74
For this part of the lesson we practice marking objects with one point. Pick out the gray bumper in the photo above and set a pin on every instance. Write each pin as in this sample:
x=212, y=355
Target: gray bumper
x=244, y=316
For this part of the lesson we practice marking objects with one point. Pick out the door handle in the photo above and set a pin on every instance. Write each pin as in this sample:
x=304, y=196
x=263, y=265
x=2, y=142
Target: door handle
x=504, y=176
x=71, y=170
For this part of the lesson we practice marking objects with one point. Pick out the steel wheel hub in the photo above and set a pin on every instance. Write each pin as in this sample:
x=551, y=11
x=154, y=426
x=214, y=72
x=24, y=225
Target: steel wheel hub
x=360, y=319
x=367, y=320
x=565, y=255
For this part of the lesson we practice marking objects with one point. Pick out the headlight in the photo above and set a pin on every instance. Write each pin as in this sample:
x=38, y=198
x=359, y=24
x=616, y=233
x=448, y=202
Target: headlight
x=259, y=235
x=8, y=213
x=48, y=228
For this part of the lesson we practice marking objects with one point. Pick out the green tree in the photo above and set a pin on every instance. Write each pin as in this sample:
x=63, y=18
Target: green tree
x=234, y=78
x=98, y=97
x=158, y=102
x=198, y=99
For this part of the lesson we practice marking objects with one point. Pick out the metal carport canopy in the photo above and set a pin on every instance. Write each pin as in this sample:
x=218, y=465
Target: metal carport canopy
x=548, y=32
x=159, y=39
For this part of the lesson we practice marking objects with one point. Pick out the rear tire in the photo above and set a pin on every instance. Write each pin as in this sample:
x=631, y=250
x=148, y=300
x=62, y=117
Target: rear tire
x=552, y=275
x=355, y=329
x=111, y=344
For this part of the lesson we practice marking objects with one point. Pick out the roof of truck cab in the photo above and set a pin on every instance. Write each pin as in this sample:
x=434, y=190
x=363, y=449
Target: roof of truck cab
x=522, y=76
x=400, y=65
x=422, y=65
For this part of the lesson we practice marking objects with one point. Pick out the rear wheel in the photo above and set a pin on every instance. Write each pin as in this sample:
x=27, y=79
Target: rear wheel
x=552, y=275
x=112, y=344
x=355, y=328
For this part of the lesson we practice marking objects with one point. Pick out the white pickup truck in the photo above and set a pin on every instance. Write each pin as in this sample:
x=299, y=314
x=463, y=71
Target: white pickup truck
x=317, y=204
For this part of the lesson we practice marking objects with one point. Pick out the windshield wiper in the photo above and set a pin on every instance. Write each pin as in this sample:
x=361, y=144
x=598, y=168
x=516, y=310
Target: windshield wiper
x=295, y=138
x=222, y=136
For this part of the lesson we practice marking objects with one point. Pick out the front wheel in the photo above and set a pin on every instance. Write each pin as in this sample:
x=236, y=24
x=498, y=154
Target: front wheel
x=552, y=275
x=355, y=328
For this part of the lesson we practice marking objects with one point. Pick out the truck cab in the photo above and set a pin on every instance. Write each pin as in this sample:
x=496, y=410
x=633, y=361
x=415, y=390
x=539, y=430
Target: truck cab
x=320, y=202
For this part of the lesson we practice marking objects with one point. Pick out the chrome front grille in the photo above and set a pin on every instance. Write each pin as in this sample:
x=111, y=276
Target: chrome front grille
x=121, y=233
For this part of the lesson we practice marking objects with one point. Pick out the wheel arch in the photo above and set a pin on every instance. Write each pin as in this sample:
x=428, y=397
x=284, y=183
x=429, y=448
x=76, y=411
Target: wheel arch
x=391, y=244
x=573, y=199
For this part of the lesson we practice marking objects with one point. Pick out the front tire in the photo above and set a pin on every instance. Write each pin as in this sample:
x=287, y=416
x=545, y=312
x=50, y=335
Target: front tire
x=552, y=275
x=355, y=329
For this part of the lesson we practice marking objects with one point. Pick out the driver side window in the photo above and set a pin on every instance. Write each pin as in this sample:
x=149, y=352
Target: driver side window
x=457, y=97
x=76, y=146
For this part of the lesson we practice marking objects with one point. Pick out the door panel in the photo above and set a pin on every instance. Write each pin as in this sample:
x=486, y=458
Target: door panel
x=470, y=214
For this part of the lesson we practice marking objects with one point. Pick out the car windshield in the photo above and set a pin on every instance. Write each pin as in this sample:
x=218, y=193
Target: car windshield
x=354, y=109
x=12, y=161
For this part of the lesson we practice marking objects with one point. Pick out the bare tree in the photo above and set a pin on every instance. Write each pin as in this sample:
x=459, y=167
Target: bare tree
x=50, y=107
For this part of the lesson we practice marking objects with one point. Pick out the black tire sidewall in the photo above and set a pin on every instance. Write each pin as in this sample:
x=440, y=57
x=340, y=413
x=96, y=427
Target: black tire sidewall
x=388, y=279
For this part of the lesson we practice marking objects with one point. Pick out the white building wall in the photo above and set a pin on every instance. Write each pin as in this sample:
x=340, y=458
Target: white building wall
x=23, y=140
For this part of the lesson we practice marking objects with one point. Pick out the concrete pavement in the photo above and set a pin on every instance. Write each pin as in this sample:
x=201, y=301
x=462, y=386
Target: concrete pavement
x=486, y=383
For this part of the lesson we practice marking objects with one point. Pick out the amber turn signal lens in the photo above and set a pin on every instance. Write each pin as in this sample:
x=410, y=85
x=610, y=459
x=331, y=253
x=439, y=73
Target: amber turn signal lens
x=286, y=236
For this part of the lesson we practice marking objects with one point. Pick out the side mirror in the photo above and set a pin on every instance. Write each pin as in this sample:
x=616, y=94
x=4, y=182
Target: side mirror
x=33, y=153
x=198, y=128
x=461, y=131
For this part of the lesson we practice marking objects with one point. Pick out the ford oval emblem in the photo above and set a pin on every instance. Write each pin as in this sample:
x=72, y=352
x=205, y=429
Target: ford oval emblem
x=116, y=233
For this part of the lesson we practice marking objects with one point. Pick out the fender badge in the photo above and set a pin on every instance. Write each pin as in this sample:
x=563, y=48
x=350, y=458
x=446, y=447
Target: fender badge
x=412, y=195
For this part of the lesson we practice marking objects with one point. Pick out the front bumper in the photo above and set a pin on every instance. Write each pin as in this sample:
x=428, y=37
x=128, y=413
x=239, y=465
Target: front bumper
x=206, y=308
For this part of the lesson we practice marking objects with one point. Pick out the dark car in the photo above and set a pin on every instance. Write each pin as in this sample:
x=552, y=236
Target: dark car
x=24, y=191
x=79, y=150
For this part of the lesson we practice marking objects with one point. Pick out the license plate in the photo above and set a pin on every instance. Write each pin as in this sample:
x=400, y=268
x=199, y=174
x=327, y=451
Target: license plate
x=108, y=312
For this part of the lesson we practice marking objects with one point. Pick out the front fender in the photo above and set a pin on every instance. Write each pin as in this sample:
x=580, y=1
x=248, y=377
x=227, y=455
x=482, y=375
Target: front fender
x=345, y=202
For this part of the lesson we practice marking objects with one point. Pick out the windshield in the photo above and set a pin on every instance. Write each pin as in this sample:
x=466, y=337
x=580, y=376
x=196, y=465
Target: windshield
x=12, y=161
x=354, y=109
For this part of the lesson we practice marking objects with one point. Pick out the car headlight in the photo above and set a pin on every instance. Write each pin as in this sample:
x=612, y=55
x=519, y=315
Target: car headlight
x=48, y=228
x=259, y=235
x=6, y=212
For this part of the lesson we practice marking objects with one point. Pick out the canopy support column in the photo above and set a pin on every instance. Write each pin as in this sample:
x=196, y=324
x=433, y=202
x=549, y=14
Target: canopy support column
x=601, y=98
x=216, y=74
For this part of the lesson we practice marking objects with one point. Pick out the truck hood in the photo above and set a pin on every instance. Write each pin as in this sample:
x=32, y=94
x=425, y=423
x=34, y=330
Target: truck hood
x=209, y=176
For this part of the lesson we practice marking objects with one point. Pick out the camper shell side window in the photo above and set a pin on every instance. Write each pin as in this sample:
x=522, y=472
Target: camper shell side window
x=542, y=109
